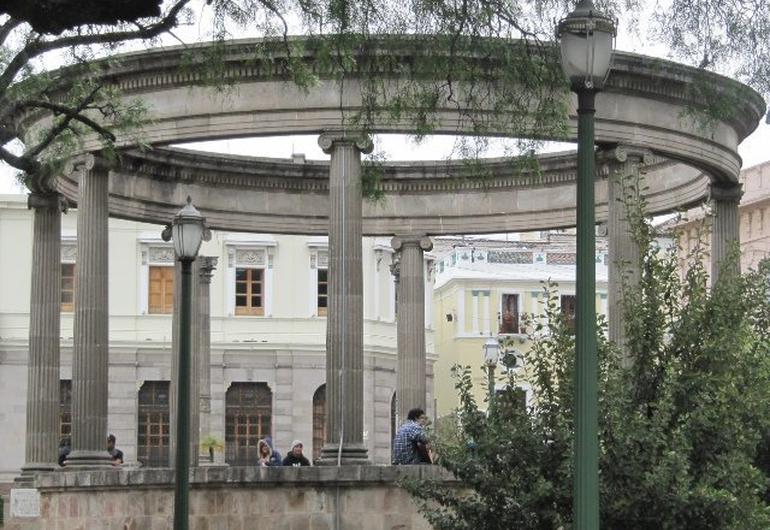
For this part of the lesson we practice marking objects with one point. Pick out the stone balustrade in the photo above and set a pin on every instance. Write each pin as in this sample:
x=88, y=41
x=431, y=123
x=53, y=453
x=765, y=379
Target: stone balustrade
x=232, y=498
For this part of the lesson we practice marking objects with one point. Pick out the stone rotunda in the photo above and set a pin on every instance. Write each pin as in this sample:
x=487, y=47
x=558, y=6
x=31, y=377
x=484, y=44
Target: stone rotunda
x=642, y=129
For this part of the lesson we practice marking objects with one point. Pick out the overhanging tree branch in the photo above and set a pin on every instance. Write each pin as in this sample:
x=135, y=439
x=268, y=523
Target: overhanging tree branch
x=7, y=28
x=39, y=47
x=63, y=124
x=71, y=113
x=22, y=163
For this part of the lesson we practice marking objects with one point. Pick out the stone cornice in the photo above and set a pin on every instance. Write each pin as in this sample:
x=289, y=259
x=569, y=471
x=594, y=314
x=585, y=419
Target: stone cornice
x=638, y=88
x=155, y=68
x=631, y=74
x=281, y=196
x=185, y=166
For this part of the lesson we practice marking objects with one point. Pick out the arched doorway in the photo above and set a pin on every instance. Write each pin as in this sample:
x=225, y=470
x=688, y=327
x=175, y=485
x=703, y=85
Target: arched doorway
x=65, y=409
x=152, y=437
x=248, y=418
x=319, y=420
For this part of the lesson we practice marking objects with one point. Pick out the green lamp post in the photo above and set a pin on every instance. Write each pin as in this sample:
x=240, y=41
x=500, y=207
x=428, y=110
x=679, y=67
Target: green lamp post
x=586, y=40
x=187, y=230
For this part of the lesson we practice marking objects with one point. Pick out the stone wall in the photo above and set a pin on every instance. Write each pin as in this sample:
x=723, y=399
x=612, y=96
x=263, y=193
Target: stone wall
x=310, y=498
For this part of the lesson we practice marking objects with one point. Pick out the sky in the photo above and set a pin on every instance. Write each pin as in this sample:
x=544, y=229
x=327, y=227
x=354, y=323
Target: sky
x=754, y=149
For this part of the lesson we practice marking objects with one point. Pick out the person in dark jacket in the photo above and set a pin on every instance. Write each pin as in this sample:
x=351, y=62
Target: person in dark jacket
x=65, y=447
x=295, y=456
x=115, y=453
x=275, y=457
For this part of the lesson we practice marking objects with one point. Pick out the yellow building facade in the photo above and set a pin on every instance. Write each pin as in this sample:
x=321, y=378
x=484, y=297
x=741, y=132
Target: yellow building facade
x=754, y=217
x=481, y=292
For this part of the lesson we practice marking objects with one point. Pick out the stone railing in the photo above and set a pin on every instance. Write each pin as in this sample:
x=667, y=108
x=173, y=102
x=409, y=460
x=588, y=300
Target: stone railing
x=345, y=498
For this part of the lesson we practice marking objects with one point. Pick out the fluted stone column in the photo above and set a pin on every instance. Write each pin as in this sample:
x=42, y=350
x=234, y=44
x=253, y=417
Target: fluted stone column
x=410, y=338
x=725, y=228
x=206, y=265
x=42, y=434
x=90, y=359
x=622, y=166
x=195, y=342
x=345, y=319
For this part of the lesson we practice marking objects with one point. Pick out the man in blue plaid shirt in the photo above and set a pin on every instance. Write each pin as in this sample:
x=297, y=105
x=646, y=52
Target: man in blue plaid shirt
x=410, y=446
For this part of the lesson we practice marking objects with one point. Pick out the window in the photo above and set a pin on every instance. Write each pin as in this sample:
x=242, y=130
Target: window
x=249, y=292
x=65, y=408
x=517, y=396
x=249, y=277
x=67, y=287
x=323, y=291
x=319, y=420
x=161, y=289
x=153, y=429
x=157, y=275
x=248, y=415
x=318, y=294
x=509, y=314
x=568, y=303
x=481, y=323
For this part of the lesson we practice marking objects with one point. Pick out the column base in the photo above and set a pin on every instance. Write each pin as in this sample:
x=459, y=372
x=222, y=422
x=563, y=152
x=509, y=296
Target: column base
x=352, y=455
x=77, y=460
x=28, y=472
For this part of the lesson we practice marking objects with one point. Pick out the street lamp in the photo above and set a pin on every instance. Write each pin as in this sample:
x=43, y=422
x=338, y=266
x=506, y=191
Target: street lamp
x=187, y=230
x=586, y=50
x=491, y=351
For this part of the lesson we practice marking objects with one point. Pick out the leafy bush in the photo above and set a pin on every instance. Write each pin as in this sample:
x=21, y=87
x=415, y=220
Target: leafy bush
x=684, y=430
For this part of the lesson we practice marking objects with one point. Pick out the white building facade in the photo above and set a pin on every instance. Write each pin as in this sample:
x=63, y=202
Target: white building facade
x=268, y=339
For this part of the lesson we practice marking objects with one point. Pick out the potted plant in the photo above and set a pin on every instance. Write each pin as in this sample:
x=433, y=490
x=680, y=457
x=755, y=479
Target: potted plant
x=211, y=444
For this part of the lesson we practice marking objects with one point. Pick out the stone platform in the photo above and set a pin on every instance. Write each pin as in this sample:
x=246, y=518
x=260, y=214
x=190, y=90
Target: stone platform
x=231, y=498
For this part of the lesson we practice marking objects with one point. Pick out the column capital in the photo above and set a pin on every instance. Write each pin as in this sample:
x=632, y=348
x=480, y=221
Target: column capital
x=728, y=193
x=88, y=162
x=422, y=241
x=622, y=153
x=613, y=155
x=47, y=201
x=206, y=265
x=359, y=140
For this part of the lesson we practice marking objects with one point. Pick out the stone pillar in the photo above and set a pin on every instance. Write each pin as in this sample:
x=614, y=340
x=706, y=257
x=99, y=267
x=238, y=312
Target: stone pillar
x=195, y=325
x=90, y=358
x=42, y=434
x=345, y=319
x=410, y=374
x=207, y=264
x=622, y=166
x=725, y=227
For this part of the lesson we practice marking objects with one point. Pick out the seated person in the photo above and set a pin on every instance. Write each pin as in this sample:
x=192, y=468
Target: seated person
x=410, y=445
x=295, y=457
x=65, y=446
x=115, y=453
x=264, y=454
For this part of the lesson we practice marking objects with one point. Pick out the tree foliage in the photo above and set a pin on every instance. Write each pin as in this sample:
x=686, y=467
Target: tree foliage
x=683, y=432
